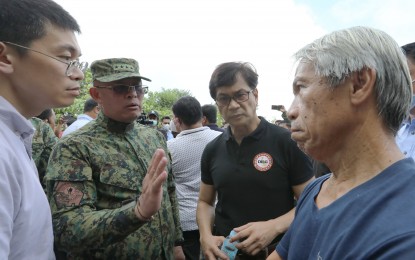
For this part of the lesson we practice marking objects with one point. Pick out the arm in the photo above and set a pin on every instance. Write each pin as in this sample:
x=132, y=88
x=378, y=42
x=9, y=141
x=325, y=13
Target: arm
x=77, y=221
x=257, y=235
x=171, y=189
x=274, y=256
x=49, y=141
x=205, y=216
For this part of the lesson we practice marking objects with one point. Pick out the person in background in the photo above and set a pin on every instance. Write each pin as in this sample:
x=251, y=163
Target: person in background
x=254, y=168
x=39, y=69
x=153, y=117
x=209, y=117
x=48, y=116
x=110, y=185
x=91, y=111
x=365, y=208
x=405, y=137
x=165, y=124
x=186, y=151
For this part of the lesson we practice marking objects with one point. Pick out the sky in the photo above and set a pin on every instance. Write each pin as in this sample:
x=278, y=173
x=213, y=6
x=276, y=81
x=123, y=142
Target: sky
x=178, y=43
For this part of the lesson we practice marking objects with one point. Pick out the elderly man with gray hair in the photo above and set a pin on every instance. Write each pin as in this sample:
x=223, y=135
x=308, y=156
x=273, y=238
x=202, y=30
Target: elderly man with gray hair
x=352, y=89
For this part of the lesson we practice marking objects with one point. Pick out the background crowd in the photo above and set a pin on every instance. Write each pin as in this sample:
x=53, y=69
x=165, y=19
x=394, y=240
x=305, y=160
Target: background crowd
x=115, y=183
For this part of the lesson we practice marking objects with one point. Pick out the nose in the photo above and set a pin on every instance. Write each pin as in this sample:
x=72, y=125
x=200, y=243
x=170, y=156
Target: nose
x=132, y=93
x=233, y=103
x=77, y=74
x=292, y=112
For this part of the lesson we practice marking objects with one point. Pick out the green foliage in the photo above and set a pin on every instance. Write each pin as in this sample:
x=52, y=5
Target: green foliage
x=163, y=101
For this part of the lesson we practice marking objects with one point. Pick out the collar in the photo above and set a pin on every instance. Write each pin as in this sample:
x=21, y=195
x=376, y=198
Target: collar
x=85, y=116
x=191, y=131
x=114, y=126
x=256, y=134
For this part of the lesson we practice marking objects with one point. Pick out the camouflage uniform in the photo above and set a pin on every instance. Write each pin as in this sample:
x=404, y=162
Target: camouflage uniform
x=43, y=141
x=99, y=172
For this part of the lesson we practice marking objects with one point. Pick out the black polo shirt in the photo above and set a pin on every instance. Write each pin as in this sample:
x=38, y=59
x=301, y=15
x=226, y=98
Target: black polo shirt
x=254, y=179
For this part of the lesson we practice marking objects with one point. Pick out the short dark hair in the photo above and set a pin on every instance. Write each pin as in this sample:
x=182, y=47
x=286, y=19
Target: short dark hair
x=210, y=112
x=409, y=50
x=46, y=114
x=23, y=21
x=165, y=117
x=226, y=74
x=89, y=105
x=188, y=110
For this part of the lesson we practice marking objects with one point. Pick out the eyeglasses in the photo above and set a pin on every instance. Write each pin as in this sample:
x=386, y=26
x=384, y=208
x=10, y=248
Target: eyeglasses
x=82, y=66
x=124, y=89
x=241, y=96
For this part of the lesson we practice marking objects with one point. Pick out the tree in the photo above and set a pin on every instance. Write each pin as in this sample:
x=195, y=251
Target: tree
x=163, y=101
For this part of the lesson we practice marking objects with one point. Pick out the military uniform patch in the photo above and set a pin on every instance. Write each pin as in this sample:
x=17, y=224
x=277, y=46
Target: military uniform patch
x=263, y=162
x=68, y=194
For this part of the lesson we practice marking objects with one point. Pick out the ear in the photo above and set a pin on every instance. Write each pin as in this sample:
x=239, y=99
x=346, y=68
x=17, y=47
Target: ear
x=255, y=93
x=94, y=93
x=363, y=85
x=6, y=66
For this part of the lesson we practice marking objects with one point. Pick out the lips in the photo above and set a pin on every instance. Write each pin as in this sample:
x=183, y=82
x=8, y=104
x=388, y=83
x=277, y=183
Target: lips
x=75, y=91
x=133, y=105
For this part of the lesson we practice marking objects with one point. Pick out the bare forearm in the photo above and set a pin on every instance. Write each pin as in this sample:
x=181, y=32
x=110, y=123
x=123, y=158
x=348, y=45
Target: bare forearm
x=204, y=216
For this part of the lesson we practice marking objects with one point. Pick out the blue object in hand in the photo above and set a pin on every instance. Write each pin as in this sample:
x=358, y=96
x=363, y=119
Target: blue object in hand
x=229, y=248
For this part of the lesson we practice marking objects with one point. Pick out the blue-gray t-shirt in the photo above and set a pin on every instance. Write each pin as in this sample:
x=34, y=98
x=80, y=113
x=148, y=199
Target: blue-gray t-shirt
x=375, y=220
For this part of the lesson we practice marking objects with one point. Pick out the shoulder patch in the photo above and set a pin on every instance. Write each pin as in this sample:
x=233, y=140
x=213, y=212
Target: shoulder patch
x=68, y=194
x=263, y=162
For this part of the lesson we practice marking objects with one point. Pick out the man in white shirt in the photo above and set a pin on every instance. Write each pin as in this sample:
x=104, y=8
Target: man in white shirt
x=186, y=152
x=91, y=111
x=39, y=69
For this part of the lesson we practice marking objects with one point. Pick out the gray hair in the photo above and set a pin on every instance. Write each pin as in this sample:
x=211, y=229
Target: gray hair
x=338, y=54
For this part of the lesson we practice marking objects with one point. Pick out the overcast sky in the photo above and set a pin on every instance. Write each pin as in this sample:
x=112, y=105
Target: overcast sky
x=178, y=44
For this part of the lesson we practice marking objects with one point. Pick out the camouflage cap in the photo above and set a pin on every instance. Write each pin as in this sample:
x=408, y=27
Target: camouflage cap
x=115, y=69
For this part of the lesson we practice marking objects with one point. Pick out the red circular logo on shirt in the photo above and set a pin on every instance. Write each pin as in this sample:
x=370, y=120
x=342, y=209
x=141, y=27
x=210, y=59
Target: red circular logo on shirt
x=263, y=162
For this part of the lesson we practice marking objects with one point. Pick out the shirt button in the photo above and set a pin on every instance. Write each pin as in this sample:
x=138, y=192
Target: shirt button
x=412, y=133
x=404, y=153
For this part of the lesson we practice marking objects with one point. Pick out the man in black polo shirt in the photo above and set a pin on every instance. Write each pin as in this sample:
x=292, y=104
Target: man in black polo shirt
x=254, y=167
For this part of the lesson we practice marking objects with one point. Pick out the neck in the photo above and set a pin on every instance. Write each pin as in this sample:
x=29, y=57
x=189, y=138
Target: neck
x=369, y=158
x=239, y=132
x=188, y=127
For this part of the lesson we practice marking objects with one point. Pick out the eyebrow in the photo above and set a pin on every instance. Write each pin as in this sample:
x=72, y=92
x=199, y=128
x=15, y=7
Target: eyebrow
x=70, y=48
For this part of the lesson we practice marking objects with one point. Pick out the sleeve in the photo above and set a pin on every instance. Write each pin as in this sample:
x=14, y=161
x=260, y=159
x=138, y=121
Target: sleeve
x=400, y=247
x=171, y=189
x=8, y=200
x=284, y=245
x=206, y=177
x=49, y=141
x=72, y=194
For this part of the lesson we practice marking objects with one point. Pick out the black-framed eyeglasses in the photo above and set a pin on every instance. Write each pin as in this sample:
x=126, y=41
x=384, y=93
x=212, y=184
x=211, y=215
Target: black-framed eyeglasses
x=239, y=97
x=125, y=89
x=82, y=66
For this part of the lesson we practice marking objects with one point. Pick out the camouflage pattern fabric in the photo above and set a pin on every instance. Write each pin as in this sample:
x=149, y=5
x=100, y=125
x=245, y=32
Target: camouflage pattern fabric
x=43, y=141
x=92, y=180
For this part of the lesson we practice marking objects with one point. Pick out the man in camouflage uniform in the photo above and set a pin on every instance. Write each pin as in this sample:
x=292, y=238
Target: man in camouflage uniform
x=42, y=143
x=109, y=198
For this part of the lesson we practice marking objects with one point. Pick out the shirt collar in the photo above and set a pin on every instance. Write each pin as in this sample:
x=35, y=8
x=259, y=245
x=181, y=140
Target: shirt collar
x=256, y=134
x=113, y=125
